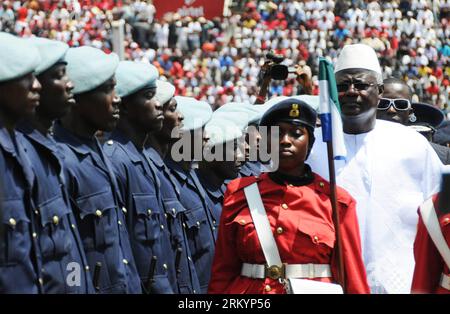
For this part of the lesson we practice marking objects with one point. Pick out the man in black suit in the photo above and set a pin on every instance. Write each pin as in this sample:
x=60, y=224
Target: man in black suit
x=396, y=106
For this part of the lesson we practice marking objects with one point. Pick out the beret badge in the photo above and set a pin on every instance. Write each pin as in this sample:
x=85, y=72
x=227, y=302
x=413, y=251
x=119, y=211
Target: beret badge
x=295, y=112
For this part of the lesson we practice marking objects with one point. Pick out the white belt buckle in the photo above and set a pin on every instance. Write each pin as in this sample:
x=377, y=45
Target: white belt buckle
x=254, y=271
x=310, y=271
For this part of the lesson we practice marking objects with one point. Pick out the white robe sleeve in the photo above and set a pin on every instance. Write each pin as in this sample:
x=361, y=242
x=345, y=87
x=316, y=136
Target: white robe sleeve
x=432, y=174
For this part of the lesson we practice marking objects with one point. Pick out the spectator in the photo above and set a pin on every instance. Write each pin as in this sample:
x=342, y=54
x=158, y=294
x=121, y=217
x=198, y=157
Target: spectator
x=231, y=49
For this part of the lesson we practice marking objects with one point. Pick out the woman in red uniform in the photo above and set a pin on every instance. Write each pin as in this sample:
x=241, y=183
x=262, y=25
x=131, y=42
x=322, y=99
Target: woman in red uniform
x=431, y=274
x=297, y=203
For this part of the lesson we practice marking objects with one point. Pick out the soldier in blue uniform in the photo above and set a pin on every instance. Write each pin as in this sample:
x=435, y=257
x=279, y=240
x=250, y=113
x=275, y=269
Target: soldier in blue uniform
x=64, y=266
x=253, y=165
x=89, y=174
x=200, y=219
x=19, y=96
x=157, y=147
x=226, y=147
x=141, y=114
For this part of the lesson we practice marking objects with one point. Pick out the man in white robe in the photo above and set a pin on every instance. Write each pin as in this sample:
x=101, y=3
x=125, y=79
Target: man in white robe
x=389, y=169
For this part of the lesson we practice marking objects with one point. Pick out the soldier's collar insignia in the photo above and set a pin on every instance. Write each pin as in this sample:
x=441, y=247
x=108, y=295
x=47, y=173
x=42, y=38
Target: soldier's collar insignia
x=294, y=113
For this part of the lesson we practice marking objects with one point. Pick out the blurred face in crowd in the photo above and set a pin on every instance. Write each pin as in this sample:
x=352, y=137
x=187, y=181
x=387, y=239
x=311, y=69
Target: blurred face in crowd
x=395, y=91
x=197, y=140
x=252, y=139
x=293, y=147
x=143, y=110
x=172, y=119
x=56, y=93
x=99, y=108
x=19, y=97
x=359, y=94
x=228, y=169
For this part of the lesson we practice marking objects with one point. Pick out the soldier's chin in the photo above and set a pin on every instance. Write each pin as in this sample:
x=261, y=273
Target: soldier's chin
x=28, y=112
x=109, y=127
x=157, y=125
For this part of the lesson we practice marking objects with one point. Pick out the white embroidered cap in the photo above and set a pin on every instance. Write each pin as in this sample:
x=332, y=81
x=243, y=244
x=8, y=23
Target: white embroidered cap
x=358, y=56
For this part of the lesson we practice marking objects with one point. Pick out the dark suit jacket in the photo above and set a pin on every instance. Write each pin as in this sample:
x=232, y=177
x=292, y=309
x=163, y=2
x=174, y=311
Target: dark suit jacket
x=443, y=152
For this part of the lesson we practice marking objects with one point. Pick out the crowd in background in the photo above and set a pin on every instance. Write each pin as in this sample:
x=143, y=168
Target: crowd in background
x=219, y=60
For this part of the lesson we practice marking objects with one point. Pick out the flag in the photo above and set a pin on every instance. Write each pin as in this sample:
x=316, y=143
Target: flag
x=330, y=110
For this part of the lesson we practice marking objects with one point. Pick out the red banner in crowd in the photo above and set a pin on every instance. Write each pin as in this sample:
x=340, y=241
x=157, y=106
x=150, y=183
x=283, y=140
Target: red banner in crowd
x=193, y=8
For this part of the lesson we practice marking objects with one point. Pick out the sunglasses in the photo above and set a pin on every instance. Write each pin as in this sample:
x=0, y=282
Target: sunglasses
x=343, y=87
x=399, y=104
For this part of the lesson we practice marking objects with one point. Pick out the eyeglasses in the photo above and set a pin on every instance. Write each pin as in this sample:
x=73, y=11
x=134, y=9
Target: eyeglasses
x=343, y=87
x=399, y=104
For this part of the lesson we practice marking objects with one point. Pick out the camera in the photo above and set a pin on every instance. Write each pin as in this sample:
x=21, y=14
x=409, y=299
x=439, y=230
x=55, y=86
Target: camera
x=277, y=70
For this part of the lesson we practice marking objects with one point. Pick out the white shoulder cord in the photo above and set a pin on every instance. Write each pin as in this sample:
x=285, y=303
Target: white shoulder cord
x=431, y=222
x=262, y=225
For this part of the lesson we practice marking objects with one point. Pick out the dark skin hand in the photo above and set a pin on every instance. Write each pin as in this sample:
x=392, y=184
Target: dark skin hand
x=359, y=107
x=56, y=97
x=94, y=110
x=292, y=149
x=19, y=98
x=393, y=91
x=140, y=114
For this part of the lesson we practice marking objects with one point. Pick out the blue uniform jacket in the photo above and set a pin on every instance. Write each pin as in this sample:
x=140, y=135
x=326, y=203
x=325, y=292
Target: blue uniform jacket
x=96, y=201
x=19, y=262
x=187, y=278
x=200, y=220
x=59, y=243
x=147, y=227
x=251, y=168
x=214, y=194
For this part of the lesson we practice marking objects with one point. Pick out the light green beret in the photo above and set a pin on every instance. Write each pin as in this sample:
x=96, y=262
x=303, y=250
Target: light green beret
x=51, y=52
x=89, y=67
x=221, y=131
x=196, y=113
x=133, y=76
x=17, y=57
x=241, y=114
x=164, y=91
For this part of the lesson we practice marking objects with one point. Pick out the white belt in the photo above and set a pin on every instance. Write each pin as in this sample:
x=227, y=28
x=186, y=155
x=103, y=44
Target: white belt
x=286, y=271
x=445, y=281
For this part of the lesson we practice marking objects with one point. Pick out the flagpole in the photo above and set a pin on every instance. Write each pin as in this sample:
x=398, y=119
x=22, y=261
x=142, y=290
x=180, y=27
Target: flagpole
x=329, y=99
x=335, y=209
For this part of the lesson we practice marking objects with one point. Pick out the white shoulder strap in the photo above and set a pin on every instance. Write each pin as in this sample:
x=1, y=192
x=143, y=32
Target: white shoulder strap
x=262, y=225
x=431, y=222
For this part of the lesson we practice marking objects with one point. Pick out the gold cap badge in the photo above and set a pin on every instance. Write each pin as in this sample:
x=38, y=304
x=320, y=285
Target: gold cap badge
x=294, y=113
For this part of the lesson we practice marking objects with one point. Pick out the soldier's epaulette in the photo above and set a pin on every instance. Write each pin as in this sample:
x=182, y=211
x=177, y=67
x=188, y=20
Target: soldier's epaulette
x=240, y=183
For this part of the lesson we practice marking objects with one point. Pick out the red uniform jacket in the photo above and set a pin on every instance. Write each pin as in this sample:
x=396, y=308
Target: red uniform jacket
x=429, y=263
x=301, y=219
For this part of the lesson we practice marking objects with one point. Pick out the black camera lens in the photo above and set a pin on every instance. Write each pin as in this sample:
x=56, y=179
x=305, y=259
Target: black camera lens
x=279, y=72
